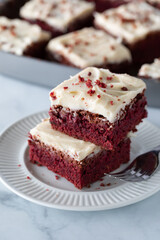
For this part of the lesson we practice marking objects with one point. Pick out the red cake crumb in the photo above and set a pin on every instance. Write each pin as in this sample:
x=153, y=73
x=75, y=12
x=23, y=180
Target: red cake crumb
x=19, y=165
x=99, y=96
x=65, y=88
x=102, y=185
x=56, y=177
x=28, y=178
x=101, y=179
x=101, y=84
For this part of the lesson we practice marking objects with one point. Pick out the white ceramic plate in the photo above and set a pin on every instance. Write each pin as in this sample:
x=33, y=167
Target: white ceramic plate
x=40, y=185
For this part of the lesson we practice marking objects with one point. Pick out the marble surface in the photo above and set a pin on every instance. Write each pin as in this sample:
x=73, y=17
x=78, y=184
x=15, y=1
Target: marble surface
x=23, y=220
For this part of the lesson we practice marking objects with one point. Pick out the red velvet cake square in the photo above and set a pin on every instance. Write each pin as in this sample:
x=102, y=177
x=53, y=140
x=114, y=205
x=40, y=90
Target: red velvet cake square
x=21, y=38
x=89, y=47
x=79, y=162
x=98, y=106
x=58, y=16
x=137, y=24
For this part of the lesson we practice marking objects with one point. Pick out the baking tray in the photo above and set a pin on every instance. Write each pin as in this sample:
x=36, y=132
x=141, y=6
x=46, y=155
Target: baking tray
x=50, y=74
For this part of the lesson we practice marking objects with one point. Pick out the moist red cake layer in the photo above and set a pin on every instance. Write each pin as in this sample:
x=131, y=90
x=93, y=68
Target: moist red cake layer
x=78, y=24
x=117, y=68
x=82, y=173
x=94, y=128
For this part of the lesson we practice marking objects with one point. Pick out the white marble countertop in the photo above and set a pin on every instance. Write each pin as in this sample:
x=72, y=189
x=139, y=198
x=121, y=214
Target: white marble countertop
x=23, y=220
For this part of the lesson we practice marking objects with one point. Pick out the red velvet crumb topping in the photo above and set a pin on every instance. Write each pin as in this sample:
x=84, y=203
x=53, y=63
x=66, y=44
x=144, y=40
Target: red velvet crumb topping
x=91, y=92
x=89, y=74
x=109, y=78
x=3, y=27
x=124, y=89
x=89, y=83
x=101, y=84
x=81, y=79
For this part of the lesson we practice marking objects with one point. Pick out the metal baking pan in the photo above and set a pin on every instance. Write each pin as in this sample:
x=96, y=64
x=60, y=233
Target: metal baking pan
x=50, y=74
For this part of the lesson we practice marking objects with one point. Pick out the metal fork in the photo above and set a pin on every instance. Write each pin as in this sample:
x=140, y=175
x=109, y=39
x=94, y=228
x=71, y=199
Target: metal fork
x=142, y=168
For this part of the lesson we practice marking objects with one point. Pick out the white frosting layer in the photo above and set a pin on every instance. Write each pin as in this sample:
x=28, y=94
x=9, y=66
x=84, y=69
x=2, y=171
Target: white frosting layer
x=131, y=22
x=150, y=70
x=89, y=47
x=57, y=13
x=16, y=35
x=75, y=148
x=106, y=97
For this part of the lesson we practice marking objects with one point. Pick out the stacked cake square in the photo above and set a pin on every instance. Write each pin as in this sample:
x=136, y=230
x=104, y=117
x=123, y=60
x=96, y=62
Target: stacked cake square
x=91, y=117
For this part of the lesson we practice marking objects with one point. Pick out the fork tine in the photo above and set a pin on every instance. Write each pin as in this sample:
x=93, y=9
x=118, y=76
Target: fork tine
x=135, y=178
x=126, y=177
x=131, y=175
x=139, y=179
x=131, y=178
x=119, y=174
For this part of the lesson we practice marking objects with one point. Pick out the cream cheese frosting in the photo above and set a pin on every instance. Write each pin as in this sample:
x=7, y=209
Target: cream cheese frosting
x=151, y=70
x=57, y=13
x=98, y=91
x=131, y=22
x=89, y=47
x=16, y=35
x=75, y=148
